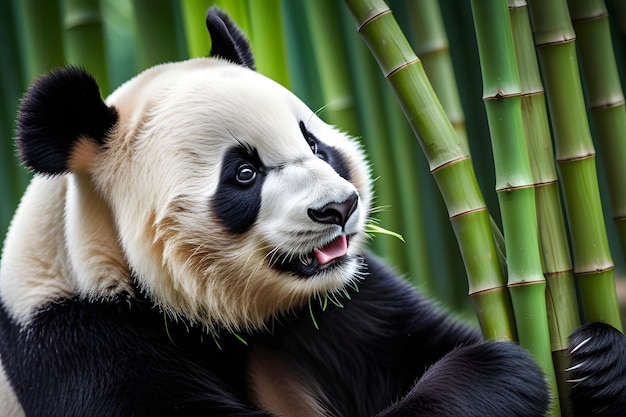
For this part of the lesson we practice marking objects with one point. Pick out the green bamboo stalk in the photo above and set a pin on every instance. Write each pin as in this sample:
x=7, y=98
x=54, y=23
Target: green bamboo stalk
x=332, y=63
x=448, y=161
x=84, y=40
x=156, y=29
x=575, y=153
x=515, y=187
x=239, y=13
x=431, y=45
x=198, y=39
x=12, y=178
x=409, y=211
x=268, y=39
x=43, y=41
x=562, y=307
x=606, y=99
x=120, y=41
x=374, y=128
x=303, y=75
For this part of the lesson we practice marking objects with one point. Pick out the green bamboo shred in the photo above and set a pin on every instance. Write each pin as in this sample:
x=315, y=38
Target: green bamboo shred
x=561, y=302
x=84, y=39
x=448, y=160
x=606, y=99
x=575, y=153
x=502, y=95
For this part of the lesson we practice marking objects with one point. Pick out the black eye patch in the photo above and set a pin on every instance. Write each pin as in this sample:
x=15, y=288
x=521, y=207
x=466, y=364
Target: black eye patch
x=326, y=153
x=237, y=200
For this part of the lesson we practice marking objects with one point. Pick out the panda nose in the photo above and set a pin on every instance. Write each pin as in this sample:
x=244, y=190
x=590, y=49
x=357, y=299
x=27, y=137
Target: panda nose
x=335, y=213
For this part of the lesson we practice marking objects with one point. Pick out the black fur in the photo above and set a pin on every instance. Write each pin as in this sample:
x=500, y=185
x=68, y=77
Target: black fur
x=228, y=41
x=598, y=371
x=58, y=109
x=120, y=357
x=237, y=205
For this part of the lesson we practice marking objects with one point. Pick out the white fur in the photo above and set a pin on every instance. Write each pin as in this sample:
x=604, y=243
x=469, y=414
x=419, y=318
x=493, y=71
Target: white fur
x=35, y=267
x=141, y=203
x=9, y=405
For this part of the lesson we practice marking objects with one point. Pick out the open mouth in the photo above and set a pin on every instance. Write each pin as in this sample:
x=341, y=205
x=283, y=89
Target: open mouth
x=318, y=260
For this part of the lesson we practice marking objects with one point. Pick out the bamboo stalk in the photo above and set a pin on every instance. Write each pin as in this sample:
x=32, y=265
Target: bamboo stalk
x=431, y=45
x=606, y=99
x=84, y=43
x=448, y=161
x=198, y=39
x=12, y=178
x=515, y=187
x=156, y=31
x=374, y=127
x=408, y=209
x=268, y=37
x=554, y=40
x=562, y=307
x=43, y=41
x=238, y=11
x=332, y=63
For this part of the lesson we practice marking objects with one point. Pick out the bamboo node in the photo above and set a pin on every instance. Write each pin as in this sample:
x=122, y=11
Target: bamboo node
x=450, y=162
x=525, y=283
x=553, y=274
x=583, y=19
x=373, y=17
x=597, y=270
x=564, y=38
x=608, y=104
x=467, y=212
x=501, y=95
x=576, y=158
x=508, y=187
x=486, y=290
x=401, y=67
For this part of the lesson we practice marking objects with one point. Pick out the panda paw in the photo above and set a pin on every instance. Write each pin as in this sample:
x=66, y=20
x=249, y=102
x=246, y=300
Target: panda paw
x=489, y=379
x=597, y=371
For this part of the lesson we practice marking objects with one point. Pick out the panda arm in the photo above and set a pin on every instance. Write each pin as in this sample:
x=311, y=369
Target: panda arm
x=79, y=358
x=388, y=343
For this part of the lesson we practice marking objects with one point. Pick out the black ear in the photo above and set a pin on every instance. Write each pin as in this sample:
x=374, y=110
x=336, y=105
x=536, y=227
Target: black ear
x=227, y=40
x=59, y=110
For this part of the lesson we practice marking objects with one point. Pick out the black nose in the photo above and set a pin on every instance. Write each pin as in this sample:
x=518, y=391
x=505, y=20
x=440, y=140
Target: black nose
x=335, y=213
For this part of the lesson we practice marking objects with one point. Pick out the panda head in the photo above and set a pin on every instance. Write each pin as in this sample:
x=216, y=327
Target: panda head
x=229, y=200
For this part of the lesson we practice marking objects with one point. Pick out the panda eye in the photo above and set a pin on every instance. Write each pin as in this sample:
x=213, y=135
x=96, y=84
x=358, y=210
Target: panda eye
x=313, y=145
x=246, y=174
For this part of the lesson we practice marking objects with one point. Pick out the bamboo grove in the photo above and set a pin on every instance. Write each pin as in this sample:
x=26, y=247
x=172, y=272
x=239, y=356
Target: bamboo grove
x=481, y=120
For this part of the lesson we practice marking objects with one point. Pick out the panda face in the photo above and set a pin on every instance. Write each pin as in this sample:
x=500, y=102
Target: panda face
x=233, y=201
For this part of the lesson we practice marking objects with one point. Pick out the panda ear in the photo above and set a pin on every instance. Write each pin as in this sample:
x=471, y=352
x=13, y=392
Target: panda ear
x=227, y=40
x=62, y=121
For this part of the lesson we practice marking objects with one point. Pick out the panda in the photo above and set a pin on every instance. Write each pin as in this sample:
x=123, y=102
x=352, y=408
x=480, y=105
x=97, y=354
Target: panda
x=193, y=246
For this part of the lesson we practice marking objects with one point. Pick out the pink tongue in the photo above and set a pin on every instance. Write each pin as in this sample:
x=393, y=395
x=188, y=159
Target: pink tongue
x=333, y=250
